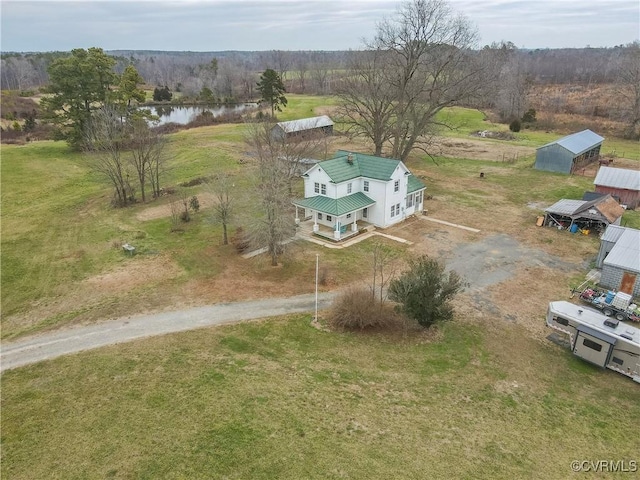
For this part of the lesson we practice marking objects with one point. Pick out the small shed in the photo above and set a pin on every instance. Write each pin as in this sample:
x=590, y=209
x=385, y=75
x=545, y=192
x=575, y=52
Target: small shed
x=305, y=126
x=620, y=182
x=621, y=265
x=607, y=242
x=570, y=153
x=593, y=216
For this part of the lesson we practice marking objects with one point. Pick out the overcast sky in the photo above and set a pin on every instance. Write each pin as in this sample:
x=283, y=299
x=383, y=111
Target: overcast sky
x=215, y=25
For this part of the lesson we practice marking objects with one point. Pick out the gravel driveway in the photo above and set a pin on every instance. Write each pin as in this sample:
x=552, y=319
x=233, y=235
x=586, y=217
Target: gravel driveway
x=72, y=340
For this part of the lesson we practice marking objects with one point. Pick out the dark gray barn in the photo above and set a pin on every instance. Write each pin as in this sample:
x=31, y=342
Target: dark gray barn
x=570, y=153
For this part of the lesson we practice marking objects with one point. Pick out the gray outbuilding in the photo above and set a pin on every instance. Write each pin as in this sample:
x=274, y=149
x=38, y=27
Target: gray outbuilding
x=619, y=258
x=570, y=153
x=303, y=127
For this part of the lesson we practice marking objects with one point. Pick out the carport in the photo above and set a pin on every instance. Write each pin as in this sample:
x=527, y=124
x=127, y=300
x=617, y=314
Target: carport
x=575, y=215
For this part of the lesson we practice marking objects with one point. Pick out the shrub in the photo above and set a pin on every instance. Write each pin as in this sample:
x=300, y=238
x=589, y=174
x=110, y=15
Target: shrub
x=515, y=125
x=194, y=203
x=529, y=116
x=240, y=240
x=425, y=291
x=162, y=94
x=356, y=309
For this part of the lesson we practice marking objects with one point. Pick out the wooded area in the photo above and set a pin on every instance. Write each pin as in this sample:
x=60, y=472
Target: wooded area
x=607, y=79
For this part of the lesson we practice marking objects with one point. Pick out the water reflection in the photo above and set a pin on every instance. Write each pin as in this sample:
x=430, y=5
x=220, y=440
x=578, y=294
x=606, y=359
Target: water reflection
x=185, y=114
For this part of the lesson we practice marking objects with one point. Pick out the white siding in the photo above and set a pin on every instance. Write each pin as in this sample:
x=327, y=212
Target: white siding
x=318, y=175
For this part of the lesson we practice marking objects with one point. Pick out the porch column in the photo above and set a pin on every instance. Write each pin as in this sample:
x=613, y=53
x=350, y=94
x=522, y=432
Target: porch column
x=315, y=222
x=336, y=231
x=354, y=225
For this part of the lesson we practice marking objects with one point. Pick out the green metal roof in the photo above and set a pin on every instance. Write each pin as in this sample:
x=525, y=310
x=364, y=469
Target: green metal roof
x=336, y=207
x=413, y=185
x=340, y=169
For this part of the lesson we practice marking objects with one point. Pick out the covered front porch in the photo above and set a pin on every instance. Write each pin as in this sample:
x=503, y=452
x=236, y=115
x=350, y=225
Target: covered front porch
x=337, y=219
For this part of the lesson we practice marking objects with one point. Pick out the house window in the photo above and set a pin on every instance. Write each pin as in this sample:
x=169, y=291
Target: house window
x=418, y=198
x=316, y=187
x=592, y=345
x=396, y=186
x=319, y=216
x=329, y=218
x=323, y=189
x=410, y=201
x=349, y=187
x=348, y=215
x=365, y=212
x=366, y=186
x=397, y=209
x=393, y=211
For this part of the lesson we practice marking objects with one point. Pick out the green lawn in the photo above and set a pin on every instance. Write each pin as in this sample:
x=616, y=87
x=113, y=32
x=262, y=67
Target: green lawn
x=280, y=399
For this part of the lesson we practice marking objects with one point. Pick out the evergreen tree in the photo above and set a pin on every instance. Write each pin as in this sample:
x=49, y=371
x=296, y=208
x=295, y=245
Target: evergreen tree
x=79, y=84
x=272, y=90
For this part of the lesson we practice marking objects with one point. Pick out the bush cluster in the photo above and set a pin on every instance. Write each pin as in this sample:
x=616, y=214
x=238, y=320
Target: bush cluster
x=356, y=308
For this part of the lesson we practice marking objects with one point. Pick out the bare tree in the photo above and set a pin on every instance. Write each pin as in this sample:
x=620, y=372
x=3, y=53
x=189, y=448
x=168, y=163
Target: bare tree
x=147, y=156
x=367, y=101
x=384, y=266
x=301, y=63
x=106, y=138
x=428, y=66
x=628, y=88
x=275, y=226
x=223, y=208
x=512, y=89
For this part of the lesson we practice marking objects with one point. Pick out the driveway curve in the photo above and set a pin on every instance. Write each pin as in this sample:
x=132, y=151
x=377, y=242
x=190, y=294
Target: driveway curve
x=63, y=342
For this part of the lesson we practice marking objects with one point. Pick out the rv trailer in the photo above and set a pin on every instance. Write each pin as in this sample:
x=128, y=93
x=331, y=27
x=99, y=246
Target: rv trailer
x=598, y=339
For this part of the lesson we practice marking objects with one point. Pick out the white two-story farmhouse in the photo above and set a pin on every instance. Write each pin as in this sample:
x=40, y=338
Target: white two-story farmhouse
x=353, y=186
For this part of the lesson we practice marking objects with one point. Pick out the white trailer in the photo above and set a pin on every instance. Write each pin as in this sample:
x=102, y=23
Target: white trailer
x=598, y=339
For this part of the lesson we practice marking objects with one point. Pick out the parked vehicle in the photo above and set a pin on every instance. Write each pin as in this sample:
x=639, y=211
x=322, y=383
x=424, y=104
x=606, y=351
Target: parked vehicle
x=598, y=339
x=612, y=304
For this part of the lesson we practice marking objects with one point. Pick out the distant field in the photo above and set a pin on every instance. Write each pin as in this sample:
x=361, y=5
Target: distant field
x=280, y=399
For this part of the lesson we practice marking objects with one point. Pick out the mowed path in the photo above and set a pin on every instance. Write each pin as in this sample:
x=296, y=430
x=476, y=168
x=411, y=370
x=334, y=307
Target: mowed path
x=63, y=342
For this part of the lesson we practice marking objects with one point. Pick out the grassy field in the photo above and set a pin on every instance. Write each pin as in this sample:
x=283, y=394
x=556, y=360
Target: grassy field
x=280, y=399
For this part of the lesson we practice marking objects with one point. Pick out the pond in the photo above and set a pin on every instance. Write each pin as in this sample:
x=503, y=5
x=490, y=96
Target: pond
x=185, y=114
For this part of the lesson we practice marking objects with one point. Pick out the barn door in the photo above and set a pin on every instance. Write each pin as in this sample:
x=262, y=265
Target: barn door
x=627, y=283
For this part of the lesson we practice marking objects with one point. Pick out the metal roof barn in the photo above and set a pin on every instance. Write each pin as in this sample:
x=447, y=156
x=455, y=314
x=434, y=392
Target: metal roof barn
x=621, y=182
x=569, y=153
x=321, y=124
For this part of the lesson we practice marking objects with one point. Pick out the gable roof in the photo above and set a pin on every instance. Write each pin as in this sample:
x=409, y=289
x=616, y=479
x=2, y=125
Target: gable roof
x=336, y=206
x=348, y=165
x=618, y=178
x=579, y=142
x=413, y=184
x=612, y=233
x=305, y=124
x=626, y=252
x=604, y=208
